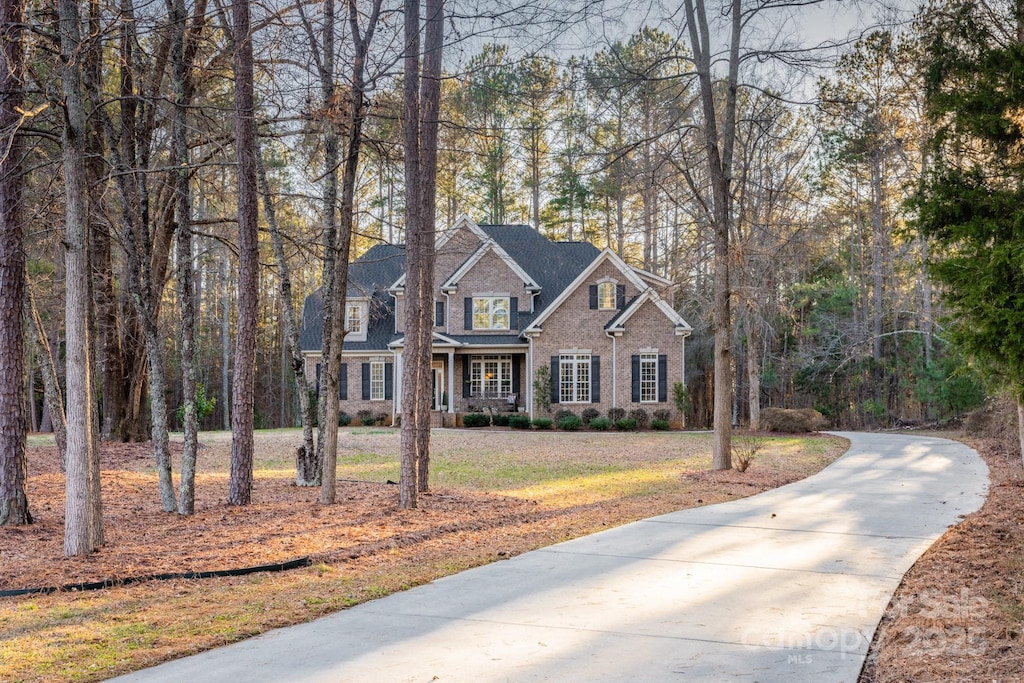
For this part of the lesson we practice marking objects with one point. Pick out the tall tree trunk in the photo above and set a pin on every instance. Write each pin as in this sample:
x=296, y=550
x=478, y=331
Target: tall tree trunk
x=719, y=150
x=225, y=340
x=877, y=255
x=356, y=117
x=754, y=369
x=51, y=385
x=430, y=105
x=82, y=531
x=407, y=487
x=13, y=465
x=243, y=417
x=307, y=467
x=185, y=274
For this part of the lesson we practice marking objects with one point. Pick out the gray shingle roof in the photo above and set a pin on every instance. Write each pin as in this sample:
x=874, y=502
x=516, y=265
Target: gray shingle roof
x=553, y=265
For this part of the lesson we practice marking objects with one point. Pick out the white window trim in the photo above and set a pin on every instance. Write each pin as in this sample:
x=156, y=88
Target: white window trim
x=650, y=386
x=492, y=298
x=575, y=359
x=377, y=385
x=356, y=335
x=610, y=283
x=503, y=380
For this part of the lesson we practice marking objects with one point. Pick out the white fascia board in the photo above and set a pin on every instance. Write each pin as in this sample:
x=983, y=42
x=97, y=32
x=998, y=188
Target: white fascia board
x=605, y=255
x=489, y=245
x=463, y=220
x=682, y=327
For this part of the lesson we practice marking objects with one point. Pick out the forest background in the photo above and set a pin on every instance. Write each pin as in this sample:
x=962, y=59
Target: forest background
x=833, y=308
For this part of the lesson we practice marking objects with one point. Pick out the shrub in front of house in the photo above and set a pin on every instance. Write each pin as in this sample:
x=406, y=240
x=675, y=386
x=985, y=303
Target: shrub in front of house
x=792, y=421
x=589, y=414
x=500, y=419
x=616, y=414
x=344, y=419
x=570, y=423
x=519, y=421
x=563, y=413
x=542, y=423
x=476, y=420
x=663, y=414
x=639, y=415
x=626, y=425
x=367, y=417
x=600, y=423
x=659, y=425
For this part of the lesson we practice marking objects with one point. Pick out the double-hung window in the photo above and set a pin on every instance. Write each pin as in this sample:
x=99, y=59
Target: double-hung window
x=648, y=378
x=377, y=383
x=491, y=376
x=490, y=313
x=574, y=378
x=354, y=319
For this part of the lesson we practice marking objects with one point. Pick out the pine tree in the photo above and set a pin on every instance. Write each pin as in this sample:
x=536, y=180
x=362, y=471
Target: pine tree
x=971, y=203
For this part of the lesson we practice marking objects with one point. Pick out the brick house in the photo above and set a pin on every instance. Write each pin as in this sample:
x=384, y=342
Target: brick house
x=508, y=301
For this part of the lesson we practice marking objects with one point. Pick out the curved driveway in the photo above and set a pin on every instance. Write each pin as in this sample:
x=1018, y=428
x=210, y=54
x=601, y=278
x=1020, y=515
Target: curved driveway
x=785, y=586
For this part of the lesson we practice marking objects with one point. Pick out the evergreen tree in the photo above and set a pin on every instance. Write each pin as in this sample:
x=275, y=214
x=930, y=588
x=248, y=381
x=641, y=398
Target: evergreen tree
x=971, y=203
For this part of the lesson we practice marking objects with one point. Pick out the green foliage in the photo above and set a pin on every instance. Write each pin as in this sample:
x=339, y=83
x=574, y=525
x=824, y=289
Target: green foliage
x=589, y=414
x=500, y=419
x=600, y=424
x=542, y=423
x=663, y=414
x=344, y=419
x=659, y=425
x=626, y=425
x=570, y=423
x=563, y=413
x=366, y=417
x=205, y=405
x=949, y=384
x=542, y=388
x=519, y=421
x=971, y=205
x=639, y=415
x=680, y=397
x=476, y=420
x=616, y=414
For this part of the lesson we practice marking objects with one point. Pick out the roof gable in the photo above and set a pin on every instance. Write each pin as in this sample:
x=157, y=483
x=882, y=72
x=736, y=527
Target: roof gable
x=490, y=245
x=618, y=323
x=605, y=256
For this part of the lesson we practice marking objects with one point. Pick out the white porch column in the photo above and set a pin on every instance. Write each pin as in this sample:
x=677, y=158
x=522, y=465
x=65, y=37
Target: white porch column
x=451, y=380
x=396, y=403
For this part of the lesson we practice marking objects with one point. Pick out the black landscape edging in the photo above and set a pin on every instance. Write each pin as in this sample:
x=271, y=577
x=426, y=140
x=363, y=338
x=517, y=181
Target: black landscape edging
x=111, y=583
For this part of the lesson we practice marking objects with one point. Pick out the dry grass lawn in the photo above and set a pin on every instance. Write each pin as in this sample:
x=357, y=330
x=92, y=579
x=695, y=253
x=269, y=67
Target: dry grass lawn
x=495, y=493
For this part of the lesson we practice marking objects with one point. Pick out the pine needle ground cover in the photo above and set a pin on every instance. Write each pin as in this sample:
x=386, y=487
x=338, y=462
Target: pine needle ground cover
x=495, y=494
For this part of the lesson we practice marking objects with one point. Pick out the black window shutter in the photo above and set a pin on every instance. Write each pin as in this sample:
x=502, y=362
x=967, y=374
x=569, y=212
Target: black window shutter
x=469, y=313
x=593, y=296
x=513, y=313
x=595, y=379
x=343, y=383
x=366, y=381
x=516, y=385
x=439, y=313
x=389, y=381
x=620, y=296
x=662, y=378
x=466, y=377
x=635, y=361
x=556, y=379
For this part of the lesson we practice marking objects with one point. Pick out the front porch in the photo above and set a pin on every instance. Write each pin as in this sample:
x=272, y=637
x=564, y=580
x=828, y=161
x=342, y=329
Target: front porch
x=476, y=383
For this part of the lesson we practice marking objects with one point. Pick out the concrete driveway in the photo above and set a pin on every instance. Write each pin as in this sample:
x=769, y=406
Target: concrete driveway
x=786, y=586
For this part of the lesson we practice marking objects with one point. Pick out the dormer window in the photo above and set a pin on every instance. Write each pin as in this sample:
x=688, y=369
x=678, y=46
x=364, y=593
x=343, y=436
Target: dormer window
x=356, y=320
